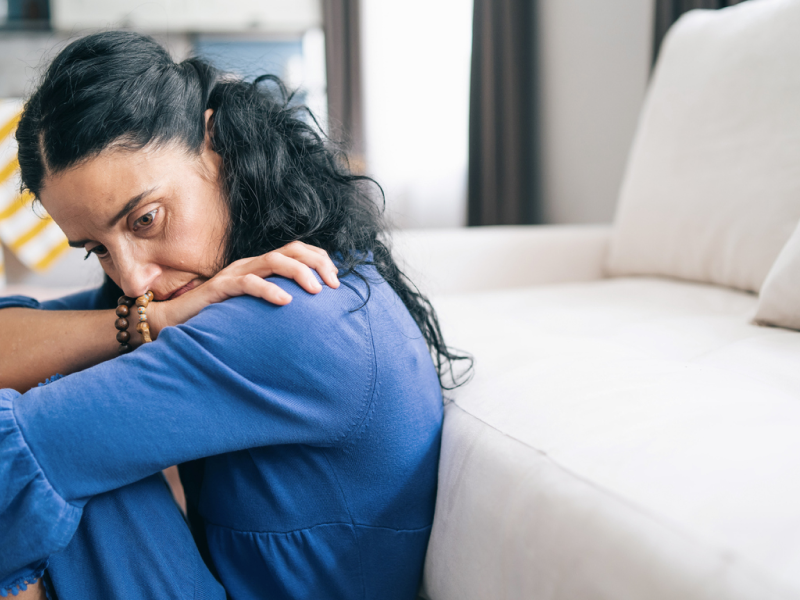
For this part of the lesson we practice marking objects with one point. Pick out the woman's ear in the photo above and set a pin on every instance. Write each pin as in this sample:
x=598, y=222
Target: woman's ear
x=210, y=158
x=208, y=115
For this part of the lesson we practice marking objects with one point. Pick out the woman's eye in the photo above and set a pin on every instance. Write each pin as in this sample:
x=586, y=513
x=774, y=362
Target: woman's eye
x=145, y=220
x=100, y=251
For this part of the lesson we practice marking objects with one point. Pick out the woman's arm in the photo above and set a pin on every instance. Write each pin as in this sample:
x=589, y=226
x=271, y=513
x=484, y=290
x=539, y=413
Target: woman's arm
x=242, y=374
x=36, y=344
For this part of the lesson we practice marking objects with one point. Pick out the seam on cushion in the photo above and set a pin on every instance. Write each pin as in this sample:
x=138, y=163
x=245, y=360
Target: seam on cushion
x=726, y=556
x=311, y=527
x=36, y=460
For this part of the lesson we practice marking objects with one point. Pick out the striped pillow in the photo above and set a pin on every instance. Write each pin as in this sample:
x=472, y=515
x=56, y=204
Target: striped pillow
x=30, y=234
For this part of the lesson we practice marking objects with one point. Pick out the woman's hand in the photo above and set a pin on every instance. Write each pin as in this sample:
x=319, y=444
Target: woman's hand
x=246, y=277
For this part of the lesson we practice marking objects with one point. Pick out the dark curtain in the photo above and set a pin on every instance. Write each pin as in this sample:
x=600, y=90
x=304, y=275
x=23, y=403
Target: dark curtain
x=343, y=69
x=28, y=14
x=668, y=11
x=502, y=181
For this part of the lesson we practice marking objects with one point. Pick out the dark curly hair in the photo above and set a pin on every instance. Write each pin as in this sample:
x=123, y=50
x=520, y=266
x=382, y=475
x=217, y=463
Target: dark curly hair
x=283, y=179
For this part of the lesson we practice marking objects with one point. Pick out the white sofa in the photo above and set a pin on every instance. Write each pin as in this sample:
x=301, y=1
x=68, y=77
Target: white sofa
x=630, y=433
x=622, y=437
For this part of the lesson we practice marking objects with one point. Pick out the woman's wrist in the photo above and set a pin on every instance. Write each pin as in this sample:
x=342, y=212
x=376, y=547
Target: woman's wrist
x=157, y=317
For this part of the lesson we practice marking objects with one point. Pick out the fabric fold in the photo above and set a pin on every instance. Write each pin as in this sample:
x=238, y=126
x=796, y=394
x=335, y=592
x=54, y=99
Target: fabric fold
x=35, y=520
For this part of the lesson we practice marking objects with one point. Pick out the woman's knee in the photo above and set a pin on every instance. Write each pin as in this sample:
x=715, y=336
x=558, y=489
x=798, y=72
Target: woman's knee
x=131, y=543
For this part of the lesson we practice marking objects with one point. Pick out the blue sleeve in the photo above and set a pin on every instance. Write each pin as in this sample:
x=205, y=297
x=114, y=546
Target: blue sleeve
x=241, y=374
x=19, y=466
x=85, y=300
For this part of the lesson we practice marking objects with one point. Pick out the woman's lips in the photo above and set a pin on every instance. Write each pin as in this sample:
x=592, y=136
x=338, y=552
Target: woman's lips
x=180, y=291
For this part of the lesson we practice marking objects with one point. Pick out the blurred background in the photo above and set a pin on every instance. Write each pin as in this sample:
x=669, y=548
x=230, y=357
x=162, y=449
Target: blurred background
x=468, y=113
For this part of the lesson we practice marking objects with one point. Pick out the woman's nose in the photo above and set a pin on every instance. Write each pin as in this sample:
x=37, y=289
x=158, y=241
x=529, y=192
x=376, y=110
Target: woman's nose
x=136, y=279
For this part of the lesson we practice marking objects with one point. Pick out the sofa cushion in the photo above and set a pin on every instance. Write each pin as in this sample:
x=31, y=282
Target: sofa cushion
x=779, y=300
x=712, y=188
x=628, y=438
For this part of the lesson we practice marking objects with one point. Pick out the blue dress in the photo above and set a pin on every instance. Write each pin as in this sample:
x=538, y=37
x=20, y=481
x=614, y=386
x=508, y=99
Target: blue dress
x=308, y=437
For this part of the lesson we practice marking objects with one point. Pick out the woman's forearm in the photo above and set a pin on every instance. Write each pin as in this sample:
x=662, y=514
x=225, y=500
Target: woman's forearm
x=37, y=344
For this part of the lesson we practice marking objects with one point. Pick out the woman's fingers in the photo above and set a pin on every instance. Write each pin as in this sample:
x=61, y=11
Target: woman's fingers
x=285, y=266
x=292, y=247
x=272, y=263
x=293, y=261
x=277, y=263
x=253, y=285
x=314, y=257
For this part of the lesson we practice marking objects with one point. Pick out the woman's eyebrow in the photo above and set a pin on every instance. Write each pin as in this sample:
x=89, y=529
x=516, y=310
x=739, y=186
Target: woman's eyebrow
x=130, y=206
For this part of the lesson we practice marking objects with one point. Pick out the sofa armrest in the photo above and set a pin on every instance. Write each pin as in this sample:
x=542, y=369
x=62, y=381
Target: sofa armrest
x=443, y=261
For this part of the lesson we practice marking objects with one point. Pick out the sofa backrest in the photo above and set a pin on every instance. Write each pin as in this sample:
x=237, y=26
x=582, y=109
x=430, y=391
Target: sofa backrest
x=712, y=187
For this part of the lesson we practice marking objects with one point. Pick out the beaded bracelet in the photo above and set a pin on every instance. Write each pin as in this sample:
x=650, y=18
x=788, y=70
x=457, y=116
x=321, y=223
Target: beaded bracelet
x=141, y=307
x=124, y=306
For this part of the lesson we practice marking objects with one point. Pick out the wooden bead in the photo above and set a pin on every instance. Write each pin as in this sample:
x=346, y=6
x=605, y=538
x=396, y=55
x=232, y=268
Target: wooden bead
x=144, y=329
x=123, y=337
x=124, y=300
x=124, y=348
x=121, y=323
x=123, y=311
x=150, y=296
x=143, y=301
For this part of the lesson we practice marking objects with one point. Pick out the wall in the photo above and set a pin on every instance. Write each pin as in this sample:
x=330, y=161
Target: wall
x=235, y=16
x=594, y=64
x=24, y=54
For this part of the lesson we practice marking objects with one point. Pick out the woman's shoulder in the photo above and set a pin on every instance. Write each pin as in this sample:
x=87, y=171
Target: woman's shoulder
x=307, y=314
x=327, y=334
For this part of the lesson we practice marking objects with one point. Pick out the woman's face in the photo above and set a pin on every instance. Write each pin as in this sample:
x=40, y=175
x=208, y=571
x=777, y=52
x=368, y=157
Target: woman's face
x=155, y=218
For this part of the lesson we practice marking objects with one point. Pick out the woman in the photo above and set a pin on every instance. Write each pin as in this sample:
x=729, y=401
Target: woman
x=307, y=432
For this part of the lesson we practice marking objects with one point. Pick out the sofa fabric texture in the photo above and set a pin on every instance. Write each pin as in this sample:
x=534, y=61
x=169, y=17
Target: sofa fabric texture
x=779, y=300
x=712, y=188
x=623, y=438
